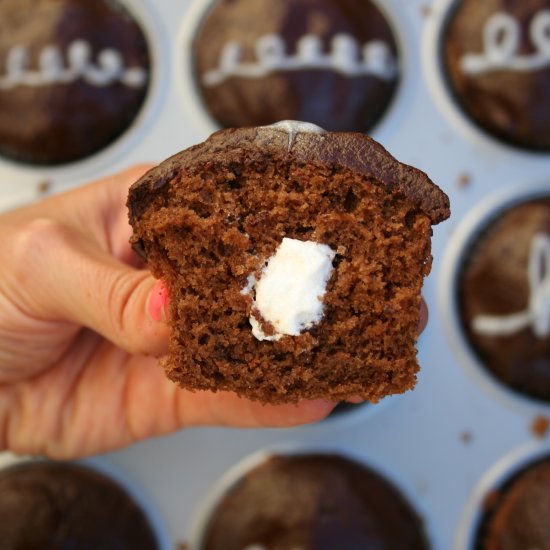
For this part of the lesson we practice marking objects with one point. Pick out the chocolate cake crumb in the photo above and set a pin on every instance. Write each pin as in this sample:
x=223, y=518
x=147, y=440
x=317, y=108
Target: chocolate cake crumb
x=464, y=180
x=540, y=426
x=426, y=10
x=221, y=213
x=43, y=186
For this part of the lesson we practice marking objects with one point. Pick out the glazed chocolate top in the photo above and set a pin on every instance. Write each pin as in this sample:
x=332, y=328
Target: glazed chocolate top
x=298, y=59
x=294, y=143
x=518, y=515
x=73, y=76
x=60, y=506
x=495, y=56
x=313, y=502
x=495, y=282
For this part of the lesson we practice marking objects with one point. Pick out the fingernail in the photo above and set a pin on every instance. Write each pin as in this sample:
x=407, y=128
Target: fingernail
x=158, y=302
x=424, y=314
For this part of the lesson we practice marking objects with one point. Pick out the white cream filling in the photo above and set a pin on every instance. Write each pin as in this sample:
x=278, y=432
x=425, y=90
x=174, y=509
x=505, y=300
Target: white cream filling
x=289, y=293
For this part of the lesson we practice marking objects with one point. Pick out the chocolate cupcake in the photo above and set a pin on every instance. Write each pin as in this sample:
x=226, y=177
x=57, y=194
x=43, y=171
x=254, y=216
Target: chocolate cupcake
x=46, y=505
x=313, y=502
x=504, y=297
x=516, y=515
x=330, y=62
x=293, y=259
x=497, y=63
x=73, y=76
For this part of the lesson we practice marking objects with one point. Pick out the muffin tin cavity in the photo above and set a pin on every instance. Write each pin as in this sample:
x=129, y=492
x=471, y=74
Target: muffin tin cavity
x=497, y=283
x=308, y=500
x=68, y=91
x=495, y=56
x=509, y=507
x=47, y=504
x=488, y=67
x=335, y=64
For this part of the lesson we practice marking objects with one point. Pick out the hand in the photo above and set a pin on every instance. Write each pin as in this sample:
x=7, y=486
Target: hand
x=78, y=373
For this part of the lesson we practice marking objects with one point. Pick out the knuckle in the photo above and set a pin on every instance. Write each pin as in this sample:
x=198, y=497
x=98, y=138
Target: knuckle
x=31, y=242
x=140, y=169
x=121, y=298
x=39, y=233
x=135, y=172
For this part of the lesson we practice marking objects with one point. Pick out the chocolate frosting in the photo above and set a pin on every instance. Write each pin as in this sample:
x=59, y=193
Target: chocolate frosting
x=517, y=518
x=494, y=281
x=308, y=502
x=60, y=122
x=324, y=96
x=47, y=505
x=512, y=105
x=351, y=150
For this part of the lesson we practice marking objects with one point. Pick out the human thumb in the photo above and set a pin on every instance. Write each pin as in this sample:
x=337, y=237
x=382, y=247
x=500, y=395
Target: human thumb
x=73, y=280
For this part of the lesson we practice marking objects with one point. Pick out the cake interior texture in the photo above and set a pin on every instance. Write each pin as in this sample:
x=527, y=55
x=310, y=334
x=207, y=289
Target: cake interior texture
x=205, y=229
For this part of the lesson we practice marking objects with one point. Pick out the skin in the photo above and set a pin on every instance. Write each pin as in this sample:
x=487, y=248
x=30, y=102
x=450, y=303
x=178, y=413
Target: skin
x=80, y=332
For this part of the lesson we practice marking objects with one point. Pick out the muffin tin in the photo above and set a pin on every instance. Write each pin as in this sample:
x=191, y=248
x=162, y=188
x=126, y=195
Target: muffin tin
x=441, y=443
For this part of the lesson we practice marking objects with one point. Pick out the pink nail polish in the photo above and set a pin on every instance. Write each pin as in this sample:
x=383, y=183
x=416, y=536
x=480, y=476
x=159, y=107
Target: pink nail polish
x=158, y=302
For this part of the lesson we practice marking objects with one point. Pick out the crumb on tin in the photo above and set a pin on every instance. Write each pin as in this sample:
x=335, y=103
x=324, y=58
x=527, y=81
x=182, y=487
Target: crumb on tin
x=43, y=186
x=540, y=426
x=464, y=180
x=426, y=10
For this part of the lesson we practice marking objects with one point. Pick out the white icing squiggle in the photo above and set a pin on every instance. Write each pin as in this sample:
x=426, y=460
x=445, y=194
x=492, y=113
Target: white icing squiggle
x=293, y=128
x=537, y=314
x=296, y=127
x=52, y=70
x=377, y=58
x=501, y=44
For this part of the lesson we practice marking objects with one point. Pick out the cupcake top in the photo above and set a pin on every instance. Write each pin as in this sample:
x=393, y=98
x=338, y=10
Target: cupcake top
x=67, y=90
x=54, y=505
x=298, y=142
x=313, y=502
x=496, y=57
x=504, y=297
x=331, y=62
x=517, y=516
